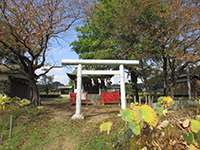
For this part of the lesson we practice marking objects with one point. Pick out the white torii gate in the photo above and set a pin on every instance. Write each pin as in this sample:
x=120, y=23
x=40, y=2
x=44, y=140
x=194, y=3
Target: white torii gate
x=81, y=72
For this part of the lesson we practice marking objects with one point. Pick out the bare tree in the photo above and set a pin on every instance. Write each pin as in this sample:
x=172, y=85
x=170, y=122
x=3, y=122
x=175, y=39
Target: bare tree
x=26, y=28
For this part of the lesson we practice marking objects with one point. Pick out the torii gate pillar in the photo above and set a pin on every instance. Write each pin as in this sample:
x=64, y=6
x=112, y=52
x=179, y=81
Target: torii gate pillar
x=78, y=114
x=122, y=87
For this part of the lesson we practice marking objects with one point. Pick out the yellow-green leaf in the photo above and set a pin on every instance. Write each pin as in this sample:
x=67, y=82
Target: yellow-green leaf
x=136, y=114
x=149, y=115
x=127, y=115
x=106, y=126
x=195, y=125
x=135, y=127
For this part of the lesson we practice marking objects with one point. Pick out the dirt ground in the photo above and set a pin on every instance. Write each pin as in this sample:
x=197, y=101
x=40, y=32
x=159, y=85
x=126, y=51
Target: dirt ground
x=50, y=127
x=62, y=112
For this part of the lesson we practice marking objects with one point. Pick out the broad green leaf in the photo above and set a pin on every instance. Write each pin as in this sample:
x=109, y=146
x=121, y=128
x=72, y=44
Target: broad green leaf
x=137, y=117
x=149, y=115
x=106, y=126
x=195, y=126
x=189, y=138
x=135, y=127
x=127, y=115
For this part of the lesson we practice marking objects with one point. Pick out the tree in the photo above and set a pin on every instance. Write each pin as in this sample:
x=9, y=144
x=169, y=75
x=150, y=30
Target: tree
x=27, y=27
x=153, y=31
x=177, y=34
x=46, y=82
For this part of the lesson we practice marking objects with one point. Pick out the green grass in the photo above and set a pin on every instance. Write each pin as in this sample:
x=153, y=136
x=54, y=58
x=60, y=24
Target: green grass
x=32, y=129
x=24, y=128
x=38, y=129
x=51, y=127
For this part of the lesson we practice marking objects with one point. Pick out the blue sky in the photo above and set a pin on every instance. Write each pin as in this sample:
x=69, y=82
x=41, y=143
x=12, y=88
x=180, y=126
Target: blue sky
x=60, y=49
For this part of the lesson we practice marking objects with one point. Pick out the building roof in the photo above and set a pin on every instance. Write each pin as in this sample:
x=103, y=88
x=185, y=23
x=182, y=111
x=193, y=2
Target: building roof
x=6, y=71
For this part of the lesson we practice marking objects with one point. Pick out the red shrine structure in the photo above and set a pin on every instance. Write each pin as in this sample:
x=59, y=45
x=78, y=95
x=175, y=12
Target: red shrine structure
x=95, y=89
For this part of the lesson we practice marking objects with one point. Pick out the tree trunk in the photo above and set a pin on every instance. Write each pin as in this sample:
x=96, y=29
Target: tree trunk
x=173, y=79
x=35, y=97
x=189, y=83
x=134, y=77
x=145, y=81
x=165, y=76
x=47, y=89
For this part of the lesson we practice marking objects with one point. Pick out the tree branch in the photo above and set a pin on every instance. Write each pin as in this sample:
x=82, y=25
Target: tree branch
x=42, y=74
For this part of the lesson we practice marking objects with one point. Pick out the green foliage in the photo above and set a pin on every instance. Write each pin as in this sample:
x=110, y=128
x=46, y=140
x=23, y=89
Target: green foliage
x=191, y=134
x=149, y=115
x=23, y=102
x=127, y=27
x=127, y=115
x=137, y=115
x=135, y=127
x=189, y=138
x=163, y=103
x=195, y=125
x=4, y=101
x=106, y=126
x=7, y=103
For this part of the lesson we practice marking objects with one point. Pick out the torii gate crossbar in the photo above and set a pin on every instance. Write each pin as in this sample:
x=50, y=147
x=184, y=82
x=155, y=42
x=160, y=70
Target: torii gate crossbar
x=81, y=72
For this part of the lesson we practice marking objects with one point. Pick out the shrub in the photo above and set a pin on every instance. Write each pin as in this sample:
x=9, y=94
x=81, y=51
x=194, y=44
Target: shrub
x=142, y=118
x=7, y=103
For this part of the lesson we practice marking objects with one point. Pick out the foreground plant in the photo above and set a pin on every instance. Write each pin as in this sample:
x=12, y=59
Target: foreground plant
x=191, y=129
x=106, y=126
x=163, y=104
x=7, y=103
x=157, y=125
x=137, y=116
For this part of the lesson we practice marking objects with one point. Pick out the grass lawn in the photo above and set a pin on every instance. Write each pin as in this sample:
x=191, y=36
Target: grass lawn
x=51, y=128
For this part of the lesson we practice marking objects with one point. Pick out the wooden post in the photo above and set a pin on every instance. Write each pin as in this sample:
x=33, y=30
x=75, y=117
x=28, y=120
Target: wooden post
x=1, y=138
x=10, y=128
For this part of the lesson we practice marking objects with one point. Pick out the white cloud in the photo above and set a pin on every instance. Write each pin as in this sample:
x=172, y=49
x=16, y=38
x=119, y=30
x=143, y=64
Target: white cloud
x=58, y=73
